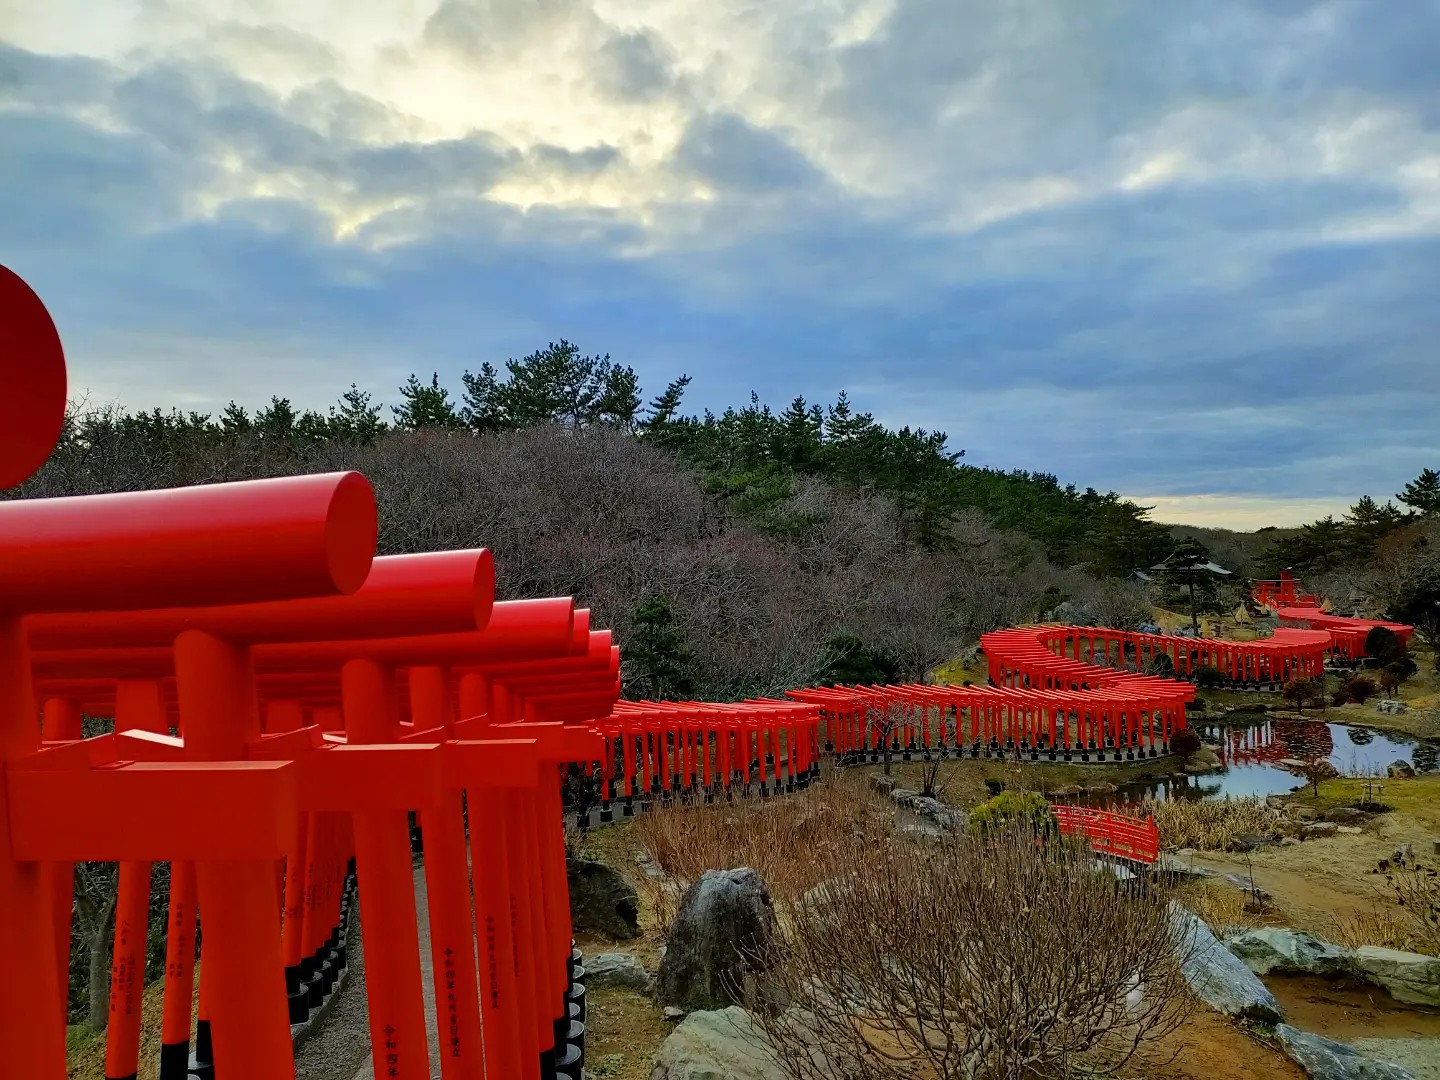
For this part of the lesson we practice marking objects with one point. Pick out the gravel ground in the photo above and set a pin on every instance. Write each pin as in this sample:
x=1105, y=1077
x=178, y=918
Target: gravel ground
x=366, y=1066
x=343, y=1041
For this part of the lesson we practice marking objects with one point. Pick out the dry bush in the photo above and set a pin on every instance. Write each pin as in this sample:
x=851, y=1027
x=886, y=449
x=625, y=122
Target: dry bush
x=1213, y=824
x=1222, y=907
x=1418, y=895
x=1380, y=924
x=997, y=957
x=784, y=840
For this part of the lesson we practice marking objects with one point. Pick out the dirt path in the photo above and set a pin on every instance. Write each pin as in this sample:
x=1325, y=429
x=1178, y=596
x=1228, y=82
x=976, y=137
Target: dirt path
x=1316, y=882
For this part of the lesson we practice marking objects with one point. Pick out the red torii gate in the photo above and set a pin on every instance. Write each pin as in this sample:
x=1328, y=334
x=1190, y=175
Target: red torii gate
x=288, y=545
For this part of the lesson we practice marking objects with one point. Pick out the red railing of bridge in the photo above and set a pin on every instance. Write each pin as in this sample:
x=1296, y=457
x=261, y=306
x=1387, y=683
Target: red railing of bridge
x=1122, y=836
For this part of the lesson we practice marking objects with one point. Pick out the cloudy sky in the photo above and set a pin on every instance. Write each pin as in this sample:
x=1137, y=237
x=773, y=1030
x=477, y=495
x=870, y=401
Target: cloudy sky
x=1189, y=251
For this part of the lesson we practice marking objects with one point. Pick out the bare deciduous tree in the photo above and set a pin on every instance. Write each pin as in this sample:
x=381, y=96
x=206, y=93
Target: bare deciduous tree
x=999, y=956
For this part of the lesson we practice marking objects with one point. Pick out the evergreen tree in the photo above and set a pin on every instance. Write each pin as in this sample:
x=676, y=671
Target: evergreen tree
x=1423, y=493
x=426, y=406
x=481, y=403
x=355, y=418
x=619, y=403
x=657, y=663
x=234, y=420
x=277, y=420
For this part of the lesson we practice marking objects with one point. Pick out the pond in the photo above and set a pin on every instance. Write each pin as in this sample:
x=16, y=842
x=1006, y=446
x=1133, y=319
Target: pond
x=1253, y=744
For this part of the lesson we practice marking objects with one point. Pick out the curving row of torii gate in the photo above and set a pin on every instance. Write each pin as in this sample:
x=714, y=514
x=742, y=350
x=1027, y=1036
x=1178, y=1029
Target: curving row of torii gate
x=283, y=702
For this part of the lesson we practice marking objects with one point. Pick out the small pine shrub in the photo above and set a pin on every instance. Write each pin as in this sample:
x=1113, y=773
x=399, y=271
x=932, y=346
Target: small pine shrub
x=1185, y=742
x=1208, y=678
x=1359, y=690
x=1013, y=807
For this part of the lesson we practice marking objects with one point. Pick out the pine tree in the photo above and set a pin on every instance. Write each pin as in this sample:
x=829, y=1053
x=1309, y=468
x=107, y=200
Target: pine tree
x=277, y=420
x=426, y=406
x=355, y=418
x=234, y=420
x=481, y=405
x=1423, y=493
x=657, y=663
x=619, y=403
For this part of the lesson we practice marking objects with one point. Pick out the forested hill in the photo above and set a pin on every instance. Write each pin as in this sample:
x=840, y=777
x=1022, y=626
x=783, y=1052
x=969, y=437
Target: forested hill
x=736, y=553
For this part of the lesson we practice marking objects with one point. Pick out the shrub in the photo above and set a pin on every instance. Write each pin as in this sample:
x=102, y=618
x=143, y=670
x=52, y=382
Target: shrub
x=1403, y=665
x=1301, y=692
x=1185, y=742
x=1359, y=690
x=1207, y=677
x=989, y=955
x=1389, y=682
x=1010, y=807
x=1161, y=665
x=1383, y=644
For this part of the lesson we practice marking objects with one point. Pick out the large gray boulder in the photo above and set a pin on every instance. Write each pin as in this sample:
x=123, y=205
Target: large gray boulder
x=1407, y=976
x=1276, y=949
x=1216, y=975
x=715, y=1045
x=601, y=900
x=617, y=969
x=1326, y=1059
x=726, y=917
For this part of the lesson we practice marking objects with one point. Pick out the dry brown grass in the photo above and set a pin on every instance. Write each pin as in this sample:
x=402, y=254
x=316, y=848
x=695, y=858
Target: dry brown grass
x=1213, y=825
x=1220, y=906
x=780, y=838
x=1406, y=916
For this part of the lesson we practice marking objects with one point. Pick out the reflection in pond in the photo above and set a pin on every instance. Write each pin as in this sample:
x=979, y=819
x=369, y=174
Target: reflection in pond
x=1251, y=747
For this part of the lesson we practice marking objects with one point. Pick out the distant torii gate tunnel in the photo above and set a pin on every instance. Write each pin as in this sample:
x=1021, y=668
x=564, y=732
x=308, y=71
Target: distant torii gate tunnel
x=283, y=700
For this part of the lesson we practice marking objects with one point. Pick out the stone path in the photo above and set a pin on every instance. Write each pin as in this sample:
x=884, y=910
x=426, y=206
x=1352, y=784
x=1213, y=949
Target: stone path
x=341, y=1049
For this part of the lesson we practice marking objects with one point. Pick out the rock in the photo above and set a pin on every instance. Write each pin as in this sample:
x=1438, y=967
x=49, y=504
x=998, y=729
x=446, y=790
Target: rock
x=920, y=830
x=1066, y=791
x=1289, y=952
x=1349, y=830
x=1344, y=815
x=1219, y=977
x=1104, y=787
x=1289, y=841
x=617, y=969
x=673, y=1014
x=883, y=785
x=1397, y=770
x=1408, y=977
x=725, y=917
x=1326, y=1059
x=1390, y=705
x=1304, y=813
x=904, y=796
x=720, y=1045
x=1203, y=761
x=1420, y=1056
x=601, y=900
x=1249, y=842
x=935, y=810
x=1321, y=828
x=1294, y=764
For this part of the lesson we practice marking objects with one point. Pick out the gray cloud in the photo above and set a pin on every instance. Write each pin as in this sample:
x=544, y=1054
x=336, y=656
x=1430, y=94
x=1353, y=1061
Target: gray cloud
x=633, y=67
x=734, y=155
x=951, y=217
